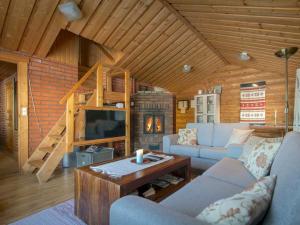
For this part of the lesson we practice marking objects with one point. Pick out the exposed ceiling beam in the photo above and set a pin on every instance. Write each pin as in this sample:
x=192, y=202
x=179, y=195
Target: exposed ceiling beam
x=195, y=31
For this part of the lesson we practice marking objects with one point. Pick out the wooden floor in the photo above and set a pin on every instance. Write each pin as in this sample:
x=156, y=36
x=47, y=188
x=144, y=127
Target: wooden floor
x=22, y=195
x=8, y=164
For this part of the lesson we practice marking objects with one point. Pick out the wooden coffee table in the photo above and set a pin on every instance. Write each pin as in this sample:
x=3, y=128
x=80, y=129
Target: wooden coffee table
x=95, y=192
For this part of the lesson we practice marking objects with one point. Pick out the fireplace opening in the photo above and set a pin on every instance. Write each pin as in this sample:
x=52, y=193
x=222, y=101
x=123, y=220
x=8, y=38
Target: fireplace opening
x=153, y=124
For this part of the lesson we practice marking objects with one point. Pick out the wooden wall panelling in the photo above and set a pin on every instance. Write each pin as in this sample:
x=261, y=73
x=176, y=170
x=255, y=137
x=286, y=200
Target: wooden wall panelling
x=65, y=49
x=159, y=45
x=185, y=42
x=190, y=51
x=181, y=17
x=150, y=33
x=7, y=69
x=100, y=16
x=4, y=4
x=116, y=18
x=155, y=58
x=40, y=17
x=88, y=10
x=15, y=22
x=260, y=28
x=57, y=22
x=230, y=81
x=127, y=22
x=147, y=17
x=22, y=118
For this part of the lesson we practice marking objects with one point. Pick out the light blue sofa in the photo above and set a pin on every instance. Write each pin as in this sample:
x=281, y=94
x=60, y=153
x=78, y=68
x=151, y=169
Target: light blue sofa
x=211, y=140
x=222, y=180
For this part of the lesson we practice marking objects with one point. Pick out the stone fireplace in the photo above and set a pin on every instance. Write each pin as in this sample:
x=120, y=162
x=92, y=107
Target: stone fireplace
x=153, y=118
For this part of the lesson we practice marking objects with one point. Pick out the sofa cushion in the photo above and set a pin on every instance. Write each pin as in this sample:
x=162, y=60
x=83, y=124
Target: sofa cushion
x=222, y=132
x=186, y=150
x=216, y=153
x=247, y=207
x=197, y=195
x=260, y=159
x=187, y=136
x=204, y=132
x=286, y=198
x=231, y=171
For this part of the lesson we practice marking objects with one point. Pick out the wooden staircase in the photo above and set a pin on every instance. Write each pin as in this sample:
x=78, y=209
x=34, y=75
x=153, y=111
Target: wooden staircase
x=61, y=138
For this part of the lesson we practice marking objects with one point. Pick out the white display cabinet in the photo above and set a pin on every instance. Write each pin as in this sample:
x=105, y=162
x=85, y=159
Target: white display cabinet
x=207, y=108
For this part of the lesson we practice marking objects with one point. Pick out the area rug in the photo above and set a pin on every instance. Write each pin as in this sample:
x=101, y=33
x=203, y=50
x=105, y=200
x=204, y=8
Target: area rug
x=61, y=214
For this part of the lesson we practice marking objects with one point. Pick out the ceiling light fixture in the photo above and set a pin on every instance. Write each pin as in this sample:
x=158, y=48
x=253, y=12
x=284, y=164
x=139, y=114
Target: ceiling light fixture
x=244, y=56
x=70, y=10
x=186, y=68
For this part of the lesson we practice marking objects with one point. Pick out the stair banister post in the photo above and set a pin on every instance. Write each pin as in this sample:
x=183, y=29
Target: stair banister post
x=127, y=107
x=99, y=90
x=70, y=110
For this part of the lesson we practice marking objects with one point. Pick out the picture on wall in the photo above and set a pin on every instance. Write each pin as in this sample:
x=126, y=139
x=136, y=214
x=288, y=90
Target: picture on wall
x=253, y=103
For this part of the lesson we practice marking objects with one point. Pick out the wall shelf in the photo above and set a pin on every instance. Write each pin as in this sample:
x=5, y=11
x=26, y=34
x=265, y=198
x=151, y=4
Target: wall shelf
x=98, y=141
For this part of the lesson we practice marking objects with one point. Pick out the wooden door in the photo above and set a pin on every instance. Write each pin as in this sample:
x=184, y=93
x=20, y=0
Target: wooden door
x=9, y=109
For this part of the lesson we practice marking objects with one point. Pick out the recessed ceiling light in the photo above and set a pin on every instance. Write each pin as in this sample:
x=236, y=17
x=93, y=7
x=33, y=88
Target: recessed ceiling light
x=186, y=68
x=70, y=10
x=244, y=56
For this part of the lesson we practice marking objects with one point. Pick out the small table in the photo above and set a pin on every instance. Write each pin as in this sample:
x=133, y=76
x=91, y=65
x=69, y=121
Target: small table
x=95, y=192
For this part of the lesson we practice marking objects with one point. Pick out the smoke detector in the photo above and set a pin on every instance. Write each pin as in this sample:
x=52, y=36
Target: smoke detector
x=186, y=68
x=244, y=56
x=70, y=10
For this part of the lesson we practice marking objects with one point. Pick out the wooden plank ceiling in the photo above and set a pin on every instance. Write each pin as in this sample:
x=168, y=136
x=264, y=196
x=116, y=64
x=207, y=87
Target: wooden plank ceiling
x=259, y=27
x=155, y=40
x=159, y=37
x=7, y=69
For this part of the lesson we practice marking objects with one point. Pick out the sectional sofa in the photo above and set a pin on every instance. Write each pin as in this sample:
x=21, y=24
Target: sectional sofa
x=211, y=140
x=222, y=180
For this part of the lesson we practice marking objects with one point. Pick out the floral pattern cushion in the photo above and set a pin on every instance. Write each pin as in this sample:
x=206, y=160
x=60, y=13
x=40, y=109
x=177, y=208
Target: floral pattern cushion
x=260, y=159
x=249, y=146
x=187, y=136
x=247, y=207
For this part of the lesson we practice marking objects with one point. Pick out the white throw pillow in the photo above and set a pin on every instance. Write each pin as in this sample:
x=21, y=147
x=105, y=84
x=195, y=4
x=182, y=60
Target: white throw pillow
x=260, y=159
x=249, y=146
x=247, y=207
x=238, y=136
x=187, y=136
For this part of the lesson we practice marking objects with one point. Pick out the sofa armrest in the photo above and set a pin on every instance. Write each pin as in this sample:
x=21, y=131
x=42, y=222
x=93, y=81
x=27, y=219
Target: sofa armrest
x=169, y=140
x=235, y=150
x=133, y=210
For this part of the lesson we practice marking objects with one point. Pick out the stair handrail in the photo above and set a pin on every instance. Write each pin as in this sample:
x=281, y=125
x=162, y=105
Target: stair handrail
x=77, y=85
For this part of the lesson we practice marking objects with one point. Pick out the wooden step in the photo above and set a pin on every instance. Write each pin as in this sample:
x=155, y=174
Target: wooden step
x=46, y=149
x=56, y=137
x=36, y=163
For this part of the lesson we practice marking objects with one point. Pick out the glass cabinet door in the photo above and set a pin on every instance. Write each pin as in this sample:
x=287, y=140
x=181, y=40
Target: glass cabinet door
x=210, y=118
x=210, y=105
x=200, y=104
x=200, y=118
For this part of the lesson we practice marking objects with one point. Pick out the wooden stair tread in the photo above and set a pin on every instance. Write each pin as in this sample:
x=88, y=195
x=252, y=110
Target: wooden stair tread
x=55, y=136
x=46, y=149
x=37, y=163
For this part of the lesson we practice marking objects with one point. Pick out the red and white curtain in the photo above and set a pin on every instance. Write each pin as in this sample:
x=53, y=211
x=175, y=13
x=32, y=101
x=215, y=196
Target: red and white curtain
x=253, y=103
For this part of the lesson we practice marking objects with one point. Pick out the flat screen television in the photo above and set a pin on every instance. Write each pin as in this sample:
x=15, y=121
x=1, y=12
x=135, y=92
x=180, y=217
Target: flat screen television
x=104, y=124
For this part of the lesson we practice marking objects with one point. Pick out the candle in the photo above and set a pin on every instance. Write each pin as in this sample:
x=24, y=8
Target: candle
x=275, y=117
x=139, y=156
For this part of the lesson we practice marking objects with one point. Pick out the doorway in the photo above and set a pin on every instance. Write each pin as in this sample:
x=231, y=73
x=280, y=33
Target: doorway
x=8, y=119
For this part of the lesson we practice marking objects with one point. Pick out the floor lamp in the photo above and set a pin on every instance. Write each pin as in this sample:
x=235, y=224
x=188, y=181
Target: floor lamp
x=286, y=53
